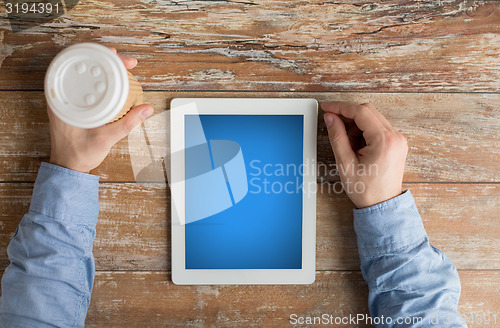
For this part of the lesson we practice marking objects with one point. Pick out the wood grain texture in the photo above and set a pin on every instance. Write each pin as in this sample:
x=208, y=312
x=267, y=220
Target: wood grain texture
x=275, y=45
x=138, y=299
x=452, y=137
x=272, y=48
x=133, y=231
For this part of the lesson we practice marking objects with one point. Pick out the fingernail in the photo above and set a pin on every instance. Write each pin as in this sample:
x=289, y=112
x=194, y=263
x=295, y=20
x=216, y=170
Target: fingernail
x=328, y=120
x=147, y=112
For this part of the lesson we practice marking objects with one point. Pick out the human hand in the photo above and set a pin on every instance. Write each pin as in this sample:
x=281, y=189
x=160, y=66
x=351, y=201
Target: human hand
x=370, y=153
x=84, y=149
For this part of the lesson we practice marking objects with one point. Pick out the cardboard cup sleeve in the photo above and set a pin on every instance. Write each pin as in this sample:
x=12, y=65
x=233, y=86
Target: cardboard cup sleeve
x=135, y=97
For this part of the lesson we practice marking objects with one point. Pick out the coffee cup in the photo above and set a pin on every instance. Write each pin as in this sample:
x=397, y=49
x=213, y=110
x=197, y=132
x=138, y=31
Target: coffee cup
x=87, y=85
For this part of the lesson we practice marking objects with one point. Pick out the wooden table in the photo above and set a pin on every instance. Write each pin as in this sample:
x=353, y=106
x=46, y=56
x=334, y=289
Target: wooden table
x=432, y=67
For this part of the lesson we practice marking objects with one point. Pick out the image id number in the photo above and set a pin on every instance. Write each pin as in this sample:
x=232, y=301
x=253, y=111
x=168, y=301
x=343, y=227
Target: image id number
x=31, y=8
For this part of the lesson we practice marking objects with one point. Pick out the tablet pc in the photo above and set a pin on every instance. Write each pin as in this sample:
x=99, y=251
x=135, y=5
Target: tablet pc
x=243, y=190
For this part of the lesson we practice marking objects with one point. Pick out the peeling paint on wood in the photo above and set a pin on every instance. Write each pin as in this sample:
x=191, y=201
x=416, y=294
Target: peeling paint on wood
x=150, y=299
x=452, y=137
x=434, y=47
x=133, y=231
x=275, y=45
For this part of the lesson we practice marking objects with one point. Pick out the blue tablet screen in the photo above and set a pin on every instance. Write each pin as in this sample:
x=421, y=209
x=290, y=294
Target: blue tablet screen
x=244, y=199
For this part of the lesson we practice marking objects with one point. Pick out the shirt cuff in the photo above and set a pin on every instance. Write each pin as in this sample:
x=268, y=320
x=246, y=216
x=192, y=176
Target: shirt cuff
x=389, y=227
x=66, y=195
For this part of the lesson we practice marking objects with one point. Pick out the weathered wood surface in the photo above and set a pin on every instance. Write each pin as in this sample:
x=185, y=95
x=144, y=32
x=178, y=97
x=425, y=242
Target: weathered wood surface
x=139, y=299
x=452, y=137
x=275, y=45
x=434, y=47
x=133, y=231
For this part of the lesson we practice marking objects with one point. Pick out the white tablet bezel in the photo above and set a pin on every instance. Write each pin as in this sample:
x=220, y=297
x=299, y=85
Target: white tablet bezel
x=308, y=108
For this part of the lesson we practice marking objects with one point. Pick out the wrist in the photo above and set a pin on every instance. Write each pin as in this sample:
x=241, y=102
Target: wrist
x=377, y=199
x=67, y=165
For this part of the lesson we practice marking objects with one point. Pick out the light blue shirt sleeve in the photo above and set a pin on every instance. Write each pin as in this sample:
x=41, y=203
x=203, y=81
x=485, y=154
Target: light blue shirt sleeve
x=49, y=280
x=411, y=283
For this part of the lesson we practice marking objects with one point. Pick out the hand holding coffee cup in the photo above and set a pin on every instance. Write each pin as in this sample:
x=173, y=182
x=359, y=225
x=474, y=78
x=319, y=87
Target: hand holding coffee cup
x=82, y=148
x=87, y=85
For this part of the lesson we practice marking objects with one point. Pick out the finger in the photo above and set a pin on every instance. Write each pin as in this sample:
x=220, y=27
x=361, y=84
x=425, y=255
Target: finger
x=129, y=62
x=380, y=117
x=344, y=155
x=362, y=115
x=118, y=130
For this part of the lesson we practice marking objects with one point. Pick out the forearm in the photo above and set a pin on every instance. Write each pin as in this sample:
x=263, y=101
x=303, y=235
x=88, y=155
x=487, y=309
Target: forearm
x=406, y=276
x=50, y=278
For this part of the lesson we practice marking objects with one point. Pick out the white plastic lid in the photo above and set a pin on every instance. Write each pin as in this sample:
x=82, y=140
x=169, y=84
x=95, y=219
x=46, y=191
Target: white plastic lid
x=86, y=85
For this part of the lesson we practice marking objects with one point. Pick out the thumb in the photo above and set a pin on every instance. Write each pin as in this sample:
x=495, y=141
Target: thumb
x=344, y=155
x=120, y=129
